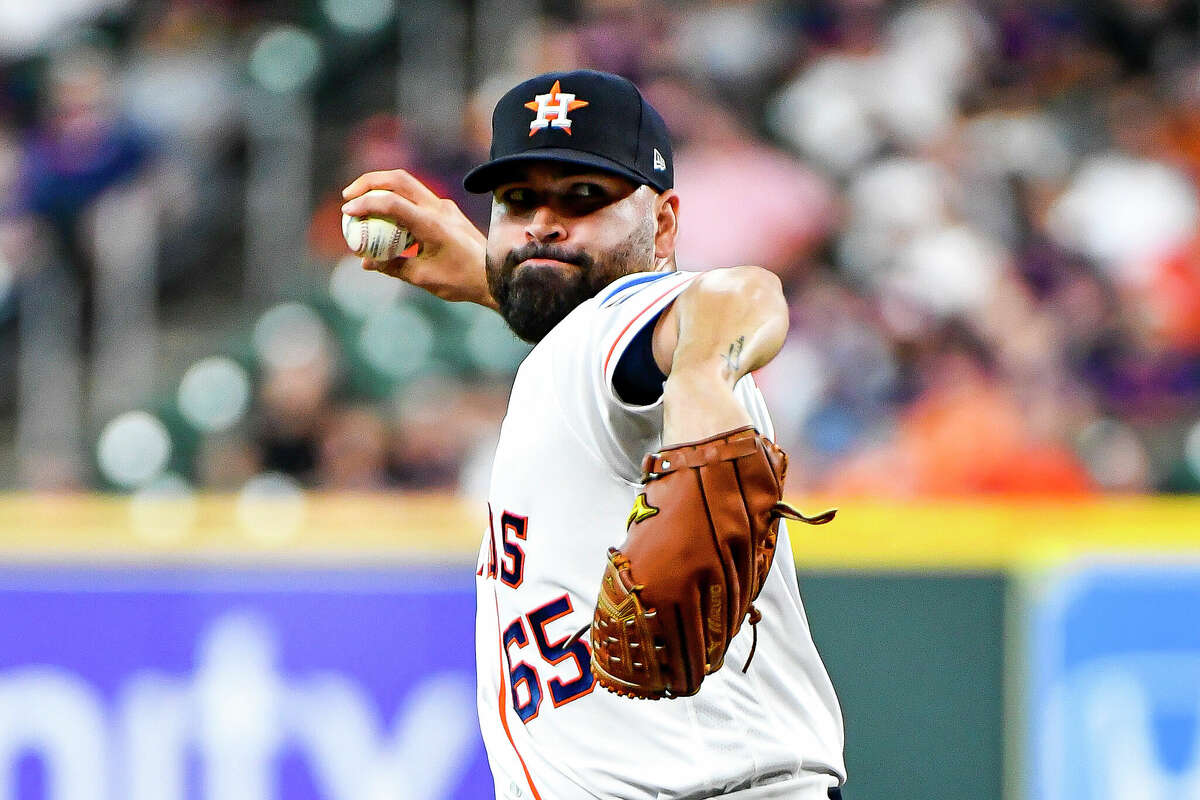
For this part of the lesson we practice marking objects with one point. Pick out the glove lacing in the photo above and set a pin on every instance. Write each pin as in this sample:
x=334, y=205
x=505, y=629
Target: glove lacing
x=781, y=509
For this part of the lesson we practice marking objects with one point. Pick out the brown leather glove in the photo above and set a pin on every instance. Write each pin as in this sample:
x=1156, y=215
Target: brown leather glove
x=701, y=538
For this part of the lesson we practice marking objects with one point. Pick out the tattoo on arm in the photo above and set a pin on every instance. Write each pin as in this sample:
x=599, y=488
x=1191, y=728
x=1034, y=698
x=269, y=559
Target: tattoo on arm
x=733, y=358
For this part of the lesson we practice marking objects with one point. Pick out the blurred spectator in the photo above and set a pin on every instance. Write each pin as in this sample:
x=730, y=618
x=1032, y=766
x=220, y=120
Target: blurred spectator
x=26, y=27
x=377, y=143
x=436, y=430
x=295, y=400
x=83, y=144
x=986, y=217
x=224, y=463
x=1172, y=299
x=831, y=387
x=12, y=238
x=741, y=201
x=964, y=435
x=180, y=83
x=1122, y=212
x=842, y=108
x=737, y=46
x=622, y=36
x=353, y=451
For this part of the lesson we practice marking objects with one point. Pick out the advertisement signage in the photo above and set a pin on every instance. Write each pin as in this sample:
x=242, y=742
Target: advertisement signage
x=304, y=684
x=1114, y=701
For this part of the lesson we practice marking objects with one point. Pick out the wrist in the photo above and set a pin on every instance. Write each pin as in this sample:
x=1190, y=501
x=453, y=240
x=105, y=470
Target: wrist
x=481, y=293
x=698, y=404
x=702, y=373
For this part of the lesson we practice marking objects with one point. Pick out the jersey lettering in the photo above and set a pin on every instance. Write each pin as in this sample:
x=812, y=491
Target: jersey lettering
x=524, y=679
x=562, y=692
x=521, y=674
x=491, y=562
x=513, y=527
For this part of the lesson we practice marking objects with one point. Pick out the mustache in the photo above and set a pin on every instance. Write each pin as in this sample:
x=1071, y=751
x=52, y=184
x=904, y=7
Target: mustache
x=548, y=251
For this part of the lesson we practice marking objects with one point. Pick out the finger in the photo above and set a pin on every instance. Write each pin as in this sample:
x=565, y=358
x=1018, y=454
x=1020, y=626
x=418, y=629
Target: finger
x=389, y=268
x=399, y=181
x=420, y=222
x=393, y=268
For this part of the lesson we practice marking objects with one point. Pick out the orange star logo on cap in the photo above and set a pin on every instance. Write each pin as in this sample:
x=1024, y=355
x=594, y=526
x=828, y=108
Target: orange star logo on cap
x=552, y=110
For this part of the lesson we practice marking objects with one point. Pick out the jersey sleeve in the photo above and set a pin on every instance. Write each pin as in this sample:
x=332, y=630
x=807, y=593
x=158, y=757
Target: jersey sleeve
x=587, y=356
x=626, y=311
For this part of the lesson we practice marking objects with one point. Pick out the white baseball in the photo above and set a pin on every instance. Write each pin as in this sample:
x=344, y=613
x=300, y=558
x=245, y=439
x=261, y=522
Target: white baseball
x=376, y=237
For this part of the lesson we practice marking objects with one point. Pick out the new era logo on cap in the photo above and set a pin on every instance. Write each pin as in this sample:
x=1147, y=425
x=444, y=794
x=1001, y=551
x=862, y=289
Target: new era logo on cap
x=595, y=120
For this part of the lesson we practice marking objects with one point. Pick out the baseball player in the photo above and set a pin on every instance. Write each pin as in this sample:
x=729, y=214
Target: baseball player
x=639, y=630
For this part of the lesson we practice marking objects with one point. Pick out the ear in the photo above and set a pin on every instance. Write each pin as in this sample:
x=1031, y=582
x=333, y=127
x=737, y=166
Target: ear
x=666, y=207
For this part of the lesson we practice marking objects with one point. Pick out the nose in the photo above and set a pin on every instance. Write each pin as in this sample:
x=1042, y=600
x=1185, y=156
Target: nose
x=545, y=227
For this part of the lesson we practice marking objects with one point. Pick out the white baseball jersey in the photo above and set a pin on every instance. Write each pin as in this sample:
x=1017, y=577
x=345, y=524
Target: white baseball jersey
x=565, y=476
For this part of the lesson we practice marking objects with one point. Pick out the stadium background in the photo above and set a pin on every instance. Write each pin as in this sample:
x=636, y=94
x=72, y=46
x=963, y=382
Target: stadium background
x=242, y=476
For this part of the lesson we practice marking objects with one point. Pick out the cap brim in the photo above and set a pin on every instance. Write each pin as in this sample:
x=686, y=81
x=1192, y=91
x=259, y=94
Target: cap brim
x=488, y=176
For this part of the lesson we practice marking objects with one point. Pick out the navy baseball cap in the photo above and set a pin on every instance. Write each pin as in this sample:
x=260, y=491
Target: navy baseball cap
x=593, y=119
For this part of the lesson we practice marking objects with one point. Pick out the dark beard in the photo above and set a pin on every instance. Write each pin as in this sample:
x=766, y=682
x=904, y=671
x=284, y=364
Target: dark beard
x=534, y=300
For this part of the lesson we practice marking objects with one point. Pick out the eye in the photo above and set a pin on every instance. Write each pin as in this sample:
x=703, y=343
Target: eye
x=518, y=198
x=583, y=198
x=587, y=191
x=516, y=195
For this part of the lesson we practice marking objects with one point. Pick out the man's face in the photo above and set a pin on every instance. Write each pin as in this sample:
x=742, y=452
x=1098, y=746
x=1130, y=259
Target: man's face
x=558, y=236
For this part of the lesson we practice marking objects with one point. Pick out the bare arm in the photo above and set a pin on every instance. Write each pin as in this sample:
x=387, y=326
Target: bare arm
x=450, y=263
x=728, y=323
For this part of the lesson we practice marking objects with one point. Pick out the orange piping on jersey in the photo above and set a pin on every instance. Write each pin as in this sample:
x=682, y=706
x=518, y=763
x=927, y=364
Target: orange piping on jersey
x=503, y=703
x=636, y=318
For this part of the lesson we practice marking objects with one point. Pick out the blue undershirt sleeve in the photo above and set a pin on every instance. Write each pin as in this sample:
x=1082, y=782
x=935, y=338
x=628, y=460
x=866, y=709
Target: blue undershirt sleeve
x=637, y=379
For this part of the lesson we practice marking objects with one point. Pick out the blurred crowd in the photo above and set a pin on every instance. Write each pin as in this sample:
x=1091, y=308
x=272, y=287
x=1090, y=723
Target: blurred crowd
x=986, y=216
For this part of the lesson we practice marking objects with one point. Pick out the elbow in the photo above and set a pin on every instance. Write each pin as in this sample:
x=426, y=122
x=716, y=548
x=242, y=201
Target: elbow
x=764, y=289
x=756, y=291
x=737, y=304
x=766, y=293
x=742, y=286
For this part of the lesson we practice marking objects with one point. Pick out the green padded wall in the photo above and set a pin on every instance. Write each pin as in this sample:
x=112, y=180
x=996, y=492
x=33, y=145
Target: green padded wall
x=917, y=661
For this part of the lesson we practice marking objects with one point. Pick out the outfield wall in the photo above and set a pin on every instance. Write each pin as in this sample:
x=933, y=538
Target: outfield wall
x=307, y=647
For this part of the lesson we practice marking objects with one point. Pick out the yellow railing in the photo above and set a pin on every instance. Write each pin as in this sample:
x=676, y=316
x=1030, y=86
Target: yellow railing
x=996, y=534
x=312, y=528
x=350, y=529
